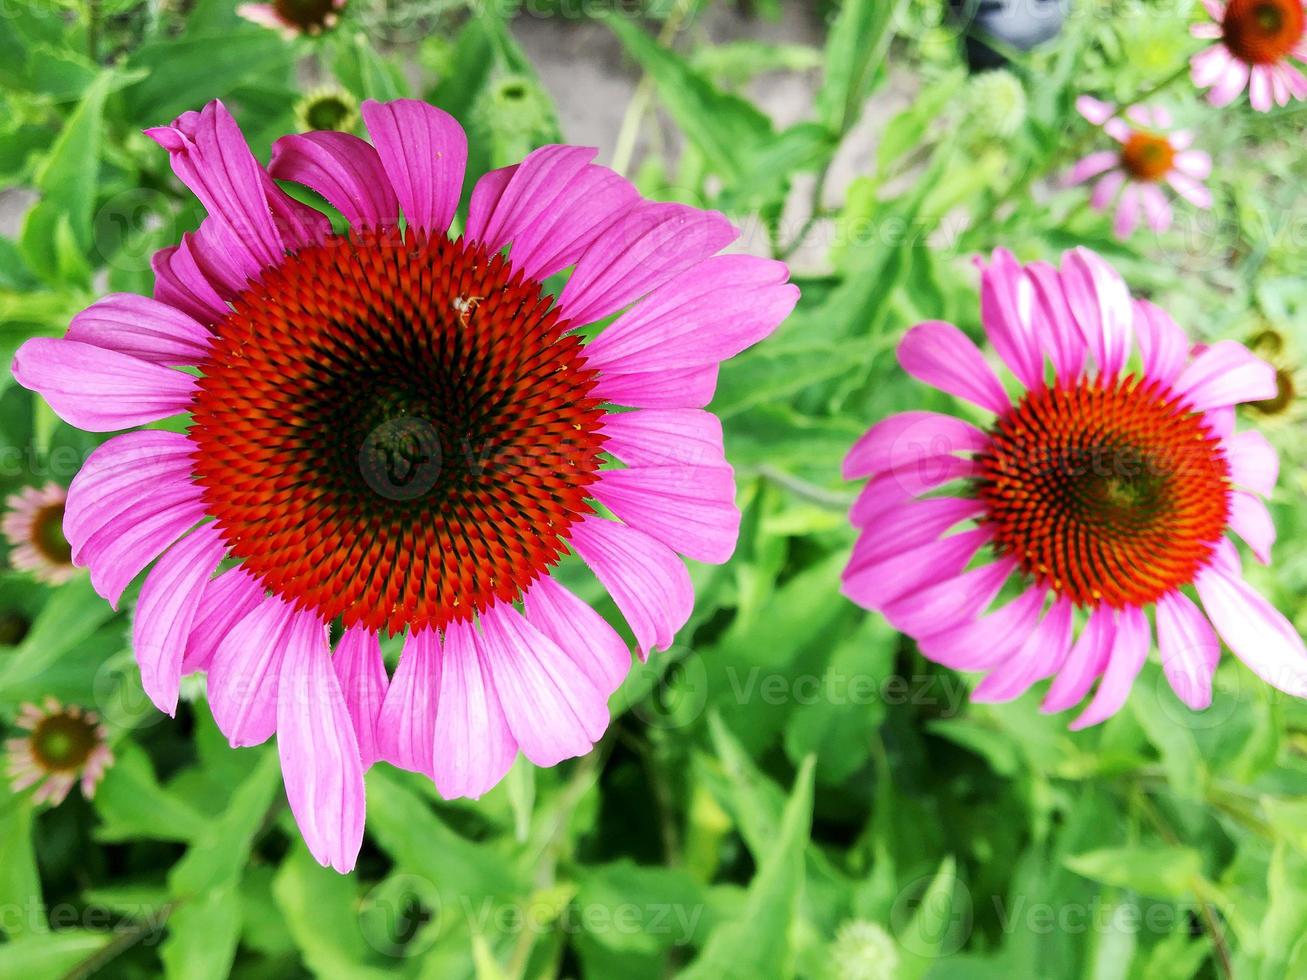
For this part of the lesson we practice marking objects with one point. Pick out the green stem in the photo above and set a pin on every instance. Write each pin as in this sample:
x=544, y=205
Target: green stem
x=629, y=132
x=1150, y=93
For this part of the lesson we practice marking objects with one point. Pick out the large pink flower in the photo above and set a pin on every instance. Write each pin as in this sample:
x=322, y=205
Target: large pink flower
x=294, y=17
x=1148, y=157
x=1258, y=43
x=1104, y=488
x=398, y=431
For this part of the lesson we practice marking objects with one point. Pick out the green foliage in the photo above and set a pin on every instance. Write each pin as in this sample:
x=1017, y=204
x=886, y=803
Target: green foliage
x=792, y=790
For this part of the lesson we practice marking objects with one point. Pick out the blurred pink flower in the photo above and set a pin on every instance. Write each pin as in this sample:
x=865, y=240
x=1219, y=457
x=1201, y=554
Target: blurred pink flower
x=1103, y=490
x=403, y=432
x=1148, y=157
x=63, y=746
x=294, y=17
x=34, y=527
x=1258, y=43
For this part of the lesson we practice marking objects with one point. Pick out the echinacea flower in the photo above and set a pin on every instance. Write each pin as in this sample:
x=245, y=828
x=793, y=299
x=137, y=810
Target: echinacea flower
x=1258, y=43
x=400, y=432
x=63, y=746
x=34, y=527
x=294, y=17
x=1285, y=407
x=1103, y=489
x=1148, y=157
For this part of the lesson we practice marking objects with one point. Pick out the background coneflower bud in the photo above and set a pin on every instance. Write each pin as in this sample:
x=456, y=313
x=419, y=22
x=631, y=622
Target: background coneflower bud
x=63, y=746
x=863, y=950
x=34, y=527
x=327, y=107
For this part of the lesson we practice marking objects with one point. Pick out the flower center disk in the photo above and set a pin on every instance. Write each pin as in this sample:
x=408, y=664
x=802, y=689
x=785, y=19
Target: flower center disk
x=1262, y=32
x=1107, y=491
x=1147, y=157
x=396, y=433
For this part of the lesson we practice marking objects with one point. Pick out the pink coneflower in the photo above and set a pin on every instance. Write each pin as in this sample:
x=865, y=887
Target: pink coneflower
x=34, y=527
x=1259, y=42
x=1148, y=157
x=63, y=746
x=1104, y=489
x=294, y=17
x=402, y=432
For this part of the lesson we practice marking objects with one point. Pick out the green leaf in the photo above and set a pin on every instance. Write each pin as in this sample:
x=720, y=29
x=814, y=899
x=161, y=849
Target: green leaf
x=67, y=179
x=202, y=936
x=132, y=804
x=725, y=128
x=71, y=616
x=759, y=943
x=171, y=84
x=1158, y=871
x=220, y=851
x=52, y=956
x=855, y=50
x=20, y=883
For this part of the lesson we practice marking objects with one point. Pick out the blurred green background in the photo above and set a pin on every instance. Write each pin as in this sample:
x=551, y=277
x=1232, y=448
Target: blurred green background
x=791, y=790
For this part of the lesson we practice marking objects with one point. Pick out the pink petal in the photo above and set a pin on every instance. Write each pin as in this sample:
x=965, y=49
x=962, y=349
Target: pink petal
x=1224, y=374
x=580, y=632
x=984, y=643
x=132, y=498
x=686, y=388
x=1194, y=163
x=649, y=245
x=645, y=578
x=707, y=314
x=1259, y=89
x=1007, y=310
x=1084, y=663
x=1250, y=520
x=1254, y=462
x=551, y=206
x=179, y=283
x=911, y=439
x=1157, y=209
x=259, y=221
x=1095, y=110
x=1091, y=166
x=691, y=509
x=473, y=747
x=1126, y=659
x=1209, y=65
x=660, y=437
x=142, y=328
x=552, y=707
x=100, y=390
x=941, y=355
x=227, y=600
x=1058, y=334
x=1040, y=655
x=1100, y=303
x=912, y=523
x=1257, y=633
x=1189, y=648
x=1190, y=189
x=406, y=726
x=363, y=682
x=1127, y=212
x=1162, y=344
x=424, y=152
x=924, y=611
x=166, y=611
x=1233, y=79
x=319, y=753
x=245, y=670
x=344, y=169
x=874, y=581
x=1106, y=189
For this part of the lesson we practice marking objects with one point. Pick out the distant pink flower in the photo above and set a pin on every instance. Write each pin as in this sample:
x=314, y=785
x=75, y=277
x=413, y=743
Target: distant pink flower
x=1096, y=496
x=1147, y=158
x=63, y=746
x=34, y=527
x=1259, y=41
x=294, y=17
x=402, y=432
